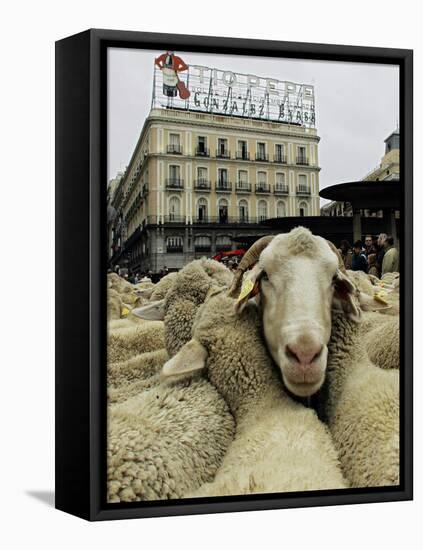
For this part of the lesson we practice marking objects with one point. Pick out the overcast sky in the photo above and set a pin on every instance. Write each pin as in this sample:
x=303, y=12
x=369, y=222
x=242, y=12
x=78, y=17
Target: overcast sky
x=357, y=105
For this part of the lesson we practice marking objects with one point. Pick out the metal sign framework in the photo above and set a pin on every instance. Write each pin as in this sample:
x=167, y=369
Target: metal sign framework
x=242, y=95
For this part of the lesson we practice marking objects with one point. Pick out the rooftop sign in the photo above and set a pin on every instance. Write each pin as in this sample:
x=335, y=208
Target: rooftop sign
x=210, y=90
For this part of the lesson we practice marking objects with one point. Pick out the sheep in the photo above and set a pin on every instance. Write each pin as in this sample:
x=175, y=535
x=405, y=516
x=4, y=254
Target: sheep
x=188, y=291
x=124, y=343
x=383, y=342
x=162, y=287
x=114, y=304
x=127, y=378
x=166, y=441
x=279, y=444
x=360, y=403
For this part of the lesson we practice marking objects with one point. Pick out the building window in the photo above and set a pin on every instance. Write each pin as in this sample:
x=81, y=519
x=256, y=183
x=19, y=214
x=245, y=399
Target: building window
x=223, y=211
x=222, y=177
x=174, y=173
x=201, y=173
x=174, y=144
x=202, y=146
x=262, y=210
x=174, y=244
x=261, y=151
x=222, y=148
x=223, y=242
x=261, y=178
x=202, y=210
x=301, y=155
x=174, y=209
x=243, y=210
x=279, y=153
x=242, y=152
x=202, y=243
x=280, y=209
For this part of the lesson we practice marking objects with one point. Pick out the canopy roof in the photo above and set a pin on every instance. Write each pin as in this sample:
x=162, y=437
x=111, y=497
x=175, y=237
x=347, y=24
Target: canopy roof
x=366, y=194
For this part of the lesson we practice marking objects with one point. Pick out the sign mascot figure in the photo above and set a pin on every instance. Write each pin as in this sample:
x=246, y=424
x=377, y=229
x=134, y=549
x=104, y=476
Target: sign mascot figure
x=170, y=65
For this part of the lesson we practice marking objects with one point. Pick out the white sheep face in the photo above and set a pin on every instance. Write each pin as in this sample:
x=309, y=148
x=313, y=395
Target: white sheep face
x=297, y=273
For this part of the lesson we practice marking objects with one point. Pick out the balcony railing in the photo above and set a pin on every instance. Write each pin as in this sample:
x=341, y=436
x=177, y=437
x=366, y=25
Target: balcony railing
x=280, y=159
x=202, y=247
x=202, y=152
x=262, y=157
x=303, y=190
x=202, y=185
x=262, y=188
x=243, y=187
x=223, y=186
x=174, y=249
x=174, y=149
x=242, y=155
x=281, y=189
x=303, y=161
x=223, y=154
x=174, y=218
x=174, y=183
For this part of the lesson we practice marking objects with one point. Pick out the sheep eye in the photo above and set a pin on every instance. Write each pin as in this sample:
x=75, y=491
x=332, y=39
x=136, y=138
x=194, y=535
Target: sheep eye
x=264, y=276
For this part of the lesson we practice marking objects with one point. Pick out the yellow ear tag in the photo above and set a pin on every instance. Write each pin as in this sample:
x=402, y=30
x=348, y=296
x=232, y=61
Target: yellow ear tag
x=125, y=311
x=247, y=287
x=380, y=297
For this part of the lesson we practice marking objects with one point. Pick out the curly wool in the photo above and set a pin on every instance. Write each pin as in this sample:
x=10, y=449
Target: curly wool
x=279, y=444
x=188, y=291
x=383, y=343
x=124, y=343
x=114, y=304
x=163, y=287
x=166, y=441
x=361, y=404
x=128, y=378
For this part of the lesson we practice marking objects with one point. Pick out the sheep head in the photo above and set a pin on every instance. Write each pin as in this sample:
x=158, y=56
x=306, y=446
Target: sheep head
x=297, y=279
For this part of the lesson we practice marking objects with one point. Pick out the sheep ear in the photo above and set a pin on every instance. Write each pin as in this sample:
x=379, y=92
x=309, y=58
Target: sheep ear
x=376, y=302
x=151, y=312
x=145, y=292
x=345, y=293
x=250, y=288
x=190, y=358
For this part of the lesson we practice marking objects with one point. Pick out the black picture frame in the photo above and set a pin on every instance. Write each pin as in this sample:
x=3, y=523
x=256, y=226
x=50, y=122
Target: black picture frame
x=81, y=265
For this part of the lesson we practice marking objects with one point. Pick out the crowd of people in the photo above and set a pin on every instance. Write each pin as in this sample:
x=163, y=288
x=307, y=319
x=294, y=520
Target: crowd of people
x=376, y=256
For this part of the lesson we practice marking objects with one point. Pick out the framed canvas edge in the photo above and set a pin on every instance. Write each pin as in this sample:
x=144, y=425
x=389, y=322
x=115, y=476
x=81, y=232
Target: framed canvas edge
x=92, y=450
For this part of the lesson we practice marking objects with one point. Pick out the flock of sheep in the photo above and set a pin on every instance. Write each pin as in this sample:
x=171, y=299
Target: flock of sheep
x=281, y=377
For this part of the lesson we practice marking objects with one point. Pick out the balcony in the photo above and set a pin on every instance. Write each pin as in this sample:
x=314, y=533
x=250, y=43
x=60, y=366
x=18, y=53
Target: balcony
x=223, y=187
x=174, y=218
x=242, y=155
x=223, y=154
x=174, y=149
x=202, y=152
x=202, y=185
x=280, y=159
x=303, y=190
x=174, y=184
x=302, y=161
x=262, y=188
x=174, y=249
x=281, y=189
x=202, y=248
x=145, y=190
x=242, y=187
x=262, y=157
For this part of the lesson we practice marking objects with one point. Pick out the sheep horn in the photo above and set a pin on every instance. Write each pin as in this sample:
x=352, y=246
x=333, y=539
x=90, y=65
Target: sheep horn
x=249, y=259
x=341, y=264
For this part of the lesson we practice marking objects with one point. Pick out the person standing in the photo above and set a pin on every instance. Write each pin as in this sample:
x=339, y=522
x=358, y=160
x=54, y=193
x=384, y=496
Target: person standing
x=368, y=246
x=380, y=251
x=359, y=260
x=345, y=251
x=390, y=261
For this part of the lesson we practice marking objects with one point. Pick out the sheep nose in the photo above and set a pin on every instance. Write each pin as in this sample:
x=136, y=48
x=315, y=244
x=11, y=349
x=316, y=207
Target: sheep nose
x=304, y=354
